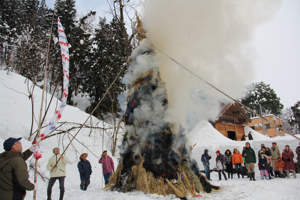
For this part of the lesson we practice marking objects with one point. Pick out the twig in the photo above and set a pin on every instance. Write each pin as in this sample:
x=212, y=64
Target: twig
x=39, y=173
x=84, y=145
x=15, y=90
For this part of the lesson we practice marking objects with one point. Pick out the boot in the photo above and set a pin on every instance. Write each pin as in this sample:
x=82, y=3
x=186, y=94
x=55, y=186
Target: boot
x=262, y=178
x=242, y=175
x=220, y=178
x=61, y=196
x=288, y=173
x=81, y=187
x=84, y=188
x=271, y=169
x=250, y=176
x=294, y=172
x=231, y=175
x=238, y=174
x=253, y=176
x=225, y=176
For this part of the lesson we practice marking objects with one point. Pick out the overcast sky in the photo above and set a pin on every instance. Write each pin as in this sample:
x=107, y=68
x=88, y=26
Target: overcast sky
x=277, y=45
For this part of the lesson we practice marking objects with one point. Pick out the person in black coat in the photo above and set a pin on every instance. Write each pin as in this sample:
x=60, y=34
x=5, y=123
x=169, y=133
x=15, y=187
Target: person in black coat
x=250, y=136
x=228, y=162
x=85, y=170
x=205, y=160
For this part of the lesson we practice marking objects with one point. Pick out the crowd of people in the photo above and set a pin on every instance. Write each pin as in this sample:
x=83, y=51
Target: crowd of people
x=271, y=162
x=14, y=178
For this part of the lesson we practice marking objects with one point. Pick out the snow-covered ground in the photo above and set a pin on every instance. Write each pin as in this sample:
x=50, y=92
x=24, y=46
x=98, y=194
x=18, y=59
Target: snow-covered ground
x=15, y=118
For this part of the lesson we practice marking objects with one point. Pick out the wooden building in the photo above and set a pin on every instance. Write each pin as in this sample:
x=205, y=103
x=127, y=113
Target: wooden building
x=270, y=130
x=231, y=121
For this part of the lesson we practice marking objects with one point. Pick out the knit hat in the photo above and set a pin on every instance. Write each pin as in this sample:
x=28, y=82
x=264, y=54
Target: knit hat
x=218, y=151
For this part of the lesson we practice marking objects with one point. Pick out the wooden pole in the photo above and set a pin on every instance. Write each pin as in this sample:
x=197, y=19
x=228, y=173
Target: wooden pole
x=40, y=120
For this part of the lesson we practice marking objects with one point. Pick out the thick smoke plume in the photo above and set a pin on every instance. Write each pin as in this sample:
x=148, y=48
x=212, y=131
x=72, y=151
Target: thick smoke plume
x=212, y=39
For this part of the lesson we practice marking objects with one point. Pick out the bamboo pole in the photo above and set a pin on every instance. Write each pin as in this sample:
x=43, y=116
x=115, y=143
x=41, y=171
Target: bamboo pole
x=223, y=92
x=40, y=120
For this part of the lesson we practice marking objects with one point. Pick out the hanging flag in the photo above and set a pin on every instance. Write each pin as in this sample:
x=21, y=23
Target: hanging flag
x=64, y=48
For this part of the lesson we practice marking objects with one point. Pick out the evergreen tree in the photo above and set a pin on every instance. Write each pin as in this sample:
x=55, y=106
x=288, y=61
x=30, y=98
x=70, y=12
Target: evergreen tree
x=9, y=28
x=31, y=46
x=79, y=45
x=109, y=56
x=289, y=121
x=261, y=94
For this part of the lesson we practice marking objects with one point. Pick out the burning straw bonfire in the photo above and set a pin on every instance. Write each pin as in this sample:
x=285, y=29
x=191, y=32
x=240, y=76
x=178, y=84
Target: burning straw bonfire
x=155, y=157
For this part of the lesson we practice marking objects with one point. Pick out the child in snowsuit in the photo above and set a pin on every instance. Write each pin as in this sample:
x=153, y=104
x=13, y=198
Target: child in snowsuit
x=280, y=165
x=263, y=166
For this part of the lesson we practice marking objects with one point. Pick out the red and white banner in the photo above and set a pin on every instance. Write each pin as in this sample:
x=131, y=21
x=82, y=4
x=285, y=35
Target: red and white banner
x=64, y=48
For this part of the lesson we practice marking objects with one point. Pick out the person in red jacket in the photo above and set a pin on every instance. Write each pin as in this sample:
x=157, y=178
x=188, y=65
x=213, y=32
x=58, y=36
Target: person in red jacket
x=287, y=157
x=107, y=166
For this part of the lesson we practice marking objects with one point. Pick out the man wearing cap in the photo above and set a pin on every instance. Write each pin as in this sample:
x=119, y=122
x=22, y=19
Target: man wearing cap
x=57, y=172
x=275, y=153
x=250, y=160
x=107, y=166
x=13, y=170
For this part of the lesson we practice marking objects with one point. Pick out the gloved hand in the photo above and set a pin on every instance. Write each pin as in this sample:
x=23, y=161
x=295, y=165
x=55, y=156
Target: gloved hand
x=34, y=146
x=288, y=159
x=35, y=186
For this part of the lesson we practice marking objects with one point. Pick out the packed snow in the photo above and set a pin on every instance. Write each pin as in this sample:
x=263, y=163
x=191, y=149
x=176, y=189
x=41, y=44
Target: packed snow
x=16, y=122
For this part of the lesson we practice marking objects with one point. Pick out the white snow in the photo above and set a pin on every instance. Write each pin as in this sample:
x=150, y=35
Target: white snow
x=15, y=121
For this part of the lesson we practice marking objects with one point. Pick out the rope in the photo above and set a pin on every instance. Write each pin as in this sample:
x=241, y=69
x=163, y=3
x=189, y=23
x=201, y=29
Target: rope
x=223, y=92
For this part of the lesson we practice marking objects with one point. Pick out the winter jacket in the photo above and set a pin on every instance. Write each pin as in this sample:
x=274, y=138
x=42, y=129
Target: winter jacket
x=298, y=153
x=60, y=169
x=249, y=155
x=268, y=153
x=228, y=159
x=250, y=137
x=85, y=169
x=237, y=158
x=221, y=158
x=287, y=157
x=13, y=175
x=107, y=164
x=280, y=164
x=205, y=157
x=263, y=163
x=275, y=153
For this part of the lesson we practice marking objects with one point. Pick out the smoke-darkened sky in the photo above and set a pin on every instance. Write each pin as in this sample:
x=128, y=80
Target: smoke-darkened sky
x=276, y=42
